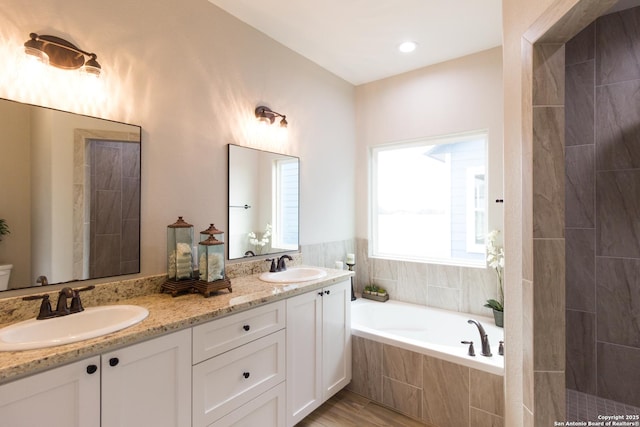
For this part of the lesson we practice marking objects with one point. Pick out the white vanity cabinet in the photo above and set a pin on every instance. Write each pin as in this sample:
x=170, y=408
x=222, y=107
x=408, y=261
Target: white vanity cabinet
x=143, y=384
x=318, y=348
x=239, y=369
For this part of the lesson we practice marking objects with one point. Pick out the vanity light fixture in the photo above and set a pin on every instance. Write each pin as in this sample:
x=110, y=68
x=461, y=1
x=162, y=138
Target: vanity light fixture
x=52, y=50
x=267, y=115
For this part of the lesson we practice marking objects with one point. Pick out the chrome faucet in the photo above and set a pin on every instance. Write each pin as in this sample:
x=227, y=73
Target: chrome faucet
x=281, y=265
x=484, y=338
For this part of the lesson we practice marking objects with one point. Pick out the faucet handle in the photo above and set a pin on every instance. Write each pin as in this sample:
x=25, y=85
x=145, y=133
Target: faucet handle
x=45, y=307
x=76, y=303
x=471, y=352
x=501, y=348
x=273, y=264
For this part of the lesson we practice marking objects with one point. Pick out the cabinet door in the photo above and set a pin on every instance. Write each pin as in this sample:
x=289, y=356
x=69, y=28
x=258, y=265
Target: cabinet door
x=304, y=352
x=68, y=396
x=336, y=338
x=148, y=384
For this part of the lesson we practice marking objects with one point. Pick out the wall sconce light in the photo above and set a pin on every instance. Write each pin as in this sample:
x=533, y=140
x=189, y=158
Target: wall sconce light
x=267, y=115
x=60, y=53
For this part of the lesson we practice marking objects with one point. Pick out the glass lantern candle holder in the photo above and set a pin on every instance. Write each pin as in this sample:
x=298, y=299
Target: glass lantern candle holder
x=179, y=250
x=212, y=231
x=211, y=259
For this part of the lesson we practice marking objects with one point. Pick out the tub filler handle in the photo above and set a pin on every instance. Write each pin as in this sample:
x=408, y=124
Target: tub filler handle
x=471, y=352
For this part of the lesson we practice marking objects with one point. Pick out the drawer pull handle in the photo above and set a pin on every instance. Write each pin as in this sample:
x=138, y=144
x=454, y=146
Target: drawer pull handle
x=92, y=369
x=246, y=327
x=114, y=361
x=327, y=292
x=246, y=374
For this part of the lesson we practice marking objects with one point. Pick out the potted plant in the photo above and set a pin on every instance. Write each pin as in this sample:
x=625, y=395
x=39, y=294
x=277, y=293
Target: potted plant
x=4, y=228
x=495, y=260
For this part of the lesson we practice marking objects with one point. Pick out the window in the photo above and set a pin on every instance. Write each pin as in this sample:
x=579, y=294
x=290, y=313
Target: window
x=429, y=200
x=285, y=204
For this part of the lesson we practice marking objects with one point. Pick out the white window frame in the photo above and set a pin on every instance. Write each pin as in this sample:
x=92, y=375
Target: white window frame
x=472, y=246
x=277, y=213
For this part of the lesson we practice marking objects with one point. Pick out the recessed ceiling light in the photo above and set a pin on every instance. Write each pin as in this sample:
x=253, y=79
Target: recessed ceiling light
x=407, y=47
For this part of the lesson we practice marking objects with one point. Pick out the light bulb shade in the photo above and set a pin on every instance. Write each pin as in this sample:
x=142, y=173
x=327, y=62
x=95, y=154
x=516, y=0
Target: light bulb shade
x=34, y=48
x=265, y=115
x=92, y=67
x=284, y=122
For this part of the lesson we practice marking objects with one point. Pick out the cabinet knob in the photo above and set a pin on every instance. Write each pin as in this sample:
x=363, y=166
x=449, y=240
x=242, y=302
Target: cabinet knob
x=327, y=292
x=92, y=369
x=246, y=374
x=246, y=327
x=320, y=293
x=114, y=361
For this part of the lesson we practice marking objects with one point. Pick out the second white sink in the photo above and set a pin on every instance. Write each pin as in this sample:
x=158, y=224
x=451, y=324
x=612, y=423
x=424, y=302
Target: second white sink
x=90, y=323
x=295, y=274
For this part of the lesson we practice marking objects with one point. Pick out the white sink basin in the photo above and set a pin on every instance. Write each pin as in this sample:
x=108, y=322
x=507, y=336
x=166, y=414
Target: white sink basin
x=90, y=323
x=295, y=274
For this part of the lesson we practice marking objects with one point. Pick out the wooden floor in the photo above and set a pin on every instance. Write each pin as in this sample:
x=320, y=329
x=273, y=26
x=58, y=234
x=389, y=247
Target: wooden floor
x=350, y=409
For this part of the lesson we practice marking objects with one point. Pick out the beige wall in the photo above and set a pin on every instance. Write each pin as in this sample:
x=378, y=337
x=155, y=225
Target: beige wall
x=191, y=76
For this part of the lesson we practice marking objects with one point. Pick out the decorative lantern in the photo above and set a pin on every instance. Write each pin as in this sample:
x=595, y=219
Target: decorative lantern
x=179, y=250
x=211, y=259
x=212, y=231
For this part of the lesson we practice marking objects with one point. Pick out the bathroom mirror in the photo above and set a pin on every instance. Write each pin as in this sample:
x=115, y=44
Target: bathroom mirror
x=70, y=193
x=263, y=202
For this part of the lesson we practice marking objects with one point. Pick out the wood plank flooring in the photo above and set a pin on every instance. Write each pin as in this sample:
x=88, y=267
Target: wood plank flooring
x=347, y=409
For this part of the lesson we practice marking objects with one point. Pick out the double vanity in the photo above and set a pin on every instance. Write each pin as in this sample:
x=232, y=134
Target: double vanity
x=267, y=354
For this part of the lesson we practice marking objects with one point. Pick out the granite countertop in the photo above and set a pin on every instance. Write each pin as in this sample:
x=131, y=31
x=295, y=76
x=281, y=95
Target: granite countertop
x=166, y=314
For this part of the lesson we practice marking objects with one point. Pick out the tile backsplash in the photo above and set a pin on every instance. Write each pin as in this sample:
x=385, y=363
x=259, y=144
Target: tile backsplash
x=442, y=286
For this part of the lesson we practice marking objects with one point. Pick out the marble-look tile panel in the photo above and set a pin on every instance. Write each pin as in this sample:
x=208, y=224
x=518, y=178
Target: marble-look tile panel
x=363, y=268
x=402, y=365
x=366, y=368
x=579, y=104
x=581, y=47
x=581, y=351
x=580, y=256
x=548, y=172
x=444, y=276
x=478, y=285
x=107, y=166
x=617, y=46
x=527, y=343
x=549, y=305
x=486, y=392
x=131, y=160
x=131, y=198
x=445, y=298
x=384, y=269
x=402, y=397
x=446, y=394
x=412, y=283
x=618, y=373
x=580, y=184
x=480, y=418
x=617, y=130
x=548, y=74
x=130, y=243
x=105, y=260
x=527, y=418
x=618, y=210
x=618, y=300
x=109, y=212
x=550, y=398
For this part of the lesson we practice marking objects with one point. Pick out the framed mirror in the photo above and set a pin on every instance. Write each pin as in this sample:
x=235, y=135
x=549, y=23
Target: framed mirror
x=70, y=195
x=263, y=202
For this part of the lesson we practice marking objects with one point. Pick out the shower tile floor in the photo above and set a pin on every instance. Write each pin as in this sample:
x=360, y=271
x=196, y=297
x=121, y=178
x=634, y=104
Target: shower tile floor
x=586, y=407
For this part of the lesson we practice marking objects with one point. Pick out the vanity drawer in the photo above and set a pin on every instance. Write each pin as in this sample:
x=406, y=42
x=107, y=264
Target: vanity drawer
x=226, y=382
x=266, y=410
x=218, y=336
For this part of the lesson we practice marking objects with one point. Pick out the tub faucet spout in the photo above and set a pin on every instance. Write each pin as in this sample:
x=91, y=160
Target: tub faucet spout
x=484, y=338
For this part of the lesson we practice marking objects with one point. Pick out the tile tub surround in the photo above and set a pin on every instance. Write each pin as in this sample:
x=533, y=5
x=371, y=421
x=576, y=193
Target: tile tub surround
x=166, y=314
x=432, y=390
x=602, y=207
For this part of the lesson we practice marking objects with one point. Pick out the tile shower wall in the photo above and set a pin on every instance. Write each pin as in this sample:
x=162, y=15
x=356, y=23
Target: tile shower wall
x=449, y=287
x=115, y=208
x=602, y=208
